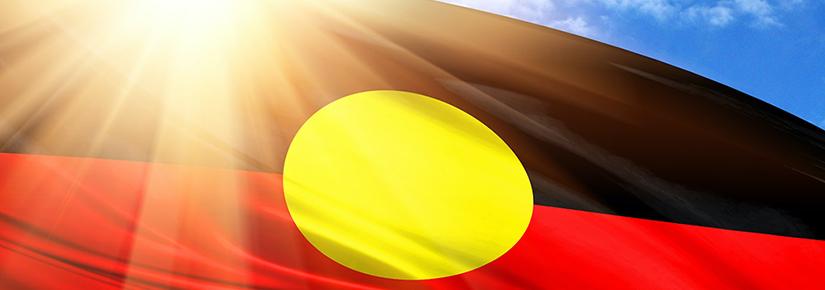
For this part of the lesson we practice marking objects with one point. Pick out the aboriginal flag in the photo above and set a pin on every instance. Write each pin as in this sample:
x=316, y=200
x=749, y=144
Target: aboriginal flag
x=353, y=144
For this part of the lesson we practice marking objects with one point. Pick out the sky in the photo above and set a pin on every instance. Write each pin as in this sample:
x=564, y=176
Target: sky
x=773, y=50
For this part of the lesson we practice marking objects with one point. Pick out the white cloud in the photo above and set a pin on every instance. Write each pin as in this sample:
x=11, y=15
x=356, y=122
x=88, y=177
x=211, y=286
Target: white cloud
x=715, y=13
x=715, y=16
x=719, y=15
x=659, y=9
x=791, y=4
x=761, y=10
x=576, y=25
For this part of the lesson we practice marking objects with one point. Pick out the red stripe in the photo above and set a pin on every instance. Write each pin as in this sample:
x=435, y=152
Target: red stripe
x=86, y=224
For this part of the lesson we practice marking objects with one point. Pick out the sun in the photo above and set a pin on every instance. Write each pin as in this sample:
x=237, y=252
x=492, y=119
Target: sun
x=404, y=186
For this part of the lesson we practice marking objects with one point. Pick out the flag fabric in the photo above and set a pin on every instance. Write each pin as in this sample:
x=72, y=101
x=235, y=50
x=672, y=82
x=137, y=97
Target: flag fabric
x=407, y=144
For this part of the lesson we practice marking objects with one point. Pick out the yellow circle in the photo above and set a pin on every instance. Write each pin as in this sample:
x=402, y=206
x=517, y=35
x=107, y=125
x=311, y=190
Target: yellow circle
x=404, y=186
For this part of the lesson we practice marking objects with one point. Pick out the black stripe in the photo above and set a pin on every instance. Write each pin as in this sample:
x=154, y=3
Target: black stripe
x=605, y=130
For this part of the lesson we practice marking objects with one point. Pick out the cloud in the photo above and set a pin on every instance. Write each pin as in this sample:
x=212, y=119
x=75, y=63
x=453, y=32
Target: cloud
x=718, y=13
x=791, y=4
x=576, y=25
x=761, y=10
x=659, y=9
x=718, y=16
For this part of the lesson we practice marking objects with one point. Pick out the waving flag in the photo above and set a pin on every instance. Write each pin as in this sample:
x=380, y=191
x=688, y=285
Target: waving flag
x=353, y=144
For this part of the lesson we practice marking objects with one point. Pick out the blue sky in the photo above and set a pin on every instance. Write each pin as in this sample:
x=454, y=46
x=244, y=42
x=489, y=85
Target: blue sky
x=771, y=49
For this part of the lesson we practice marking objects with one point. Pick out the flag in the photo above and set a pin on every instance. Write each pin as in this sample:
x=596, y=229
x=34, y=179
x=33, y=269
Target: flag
x=404, y=144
